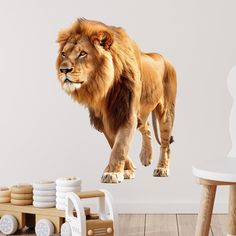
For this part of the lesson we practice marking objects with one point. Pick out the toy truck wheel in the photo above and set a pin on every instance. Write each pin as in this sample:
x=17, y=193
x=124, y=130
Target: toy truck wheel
x=8, y=224
x=44, y=227
x=66, y=229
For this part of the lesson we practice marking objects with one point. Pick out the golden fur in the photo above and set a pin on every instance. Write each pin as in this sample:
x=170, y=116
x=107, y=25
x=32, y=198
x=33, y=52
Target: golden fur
x=102, y=68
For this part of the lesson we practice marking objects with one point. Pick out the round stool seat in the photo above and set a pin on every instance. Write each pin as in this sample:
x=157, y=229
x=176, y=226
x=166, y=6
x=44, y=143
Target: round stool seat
x=223, y=170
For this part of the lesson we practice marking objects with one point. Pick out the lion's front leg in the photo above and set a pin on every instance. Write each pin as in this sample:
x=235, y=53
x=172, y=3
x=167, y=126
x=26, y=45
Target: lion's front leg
x=118, y=172
x=114, y=172
x=120, y=166
x=129, y=171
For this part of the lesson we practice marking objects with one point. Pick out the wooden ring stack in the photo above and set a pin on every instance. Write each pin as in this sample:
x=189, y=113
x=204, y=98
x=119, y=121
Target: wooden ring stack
x=21, y=195
x=44, y=194
x=5, y=195
x=65, y=185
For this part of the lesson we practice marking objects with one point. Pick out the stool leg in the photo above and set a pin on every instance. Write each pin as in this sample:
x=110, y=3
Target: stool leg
x=232, y=211
x=205, y=213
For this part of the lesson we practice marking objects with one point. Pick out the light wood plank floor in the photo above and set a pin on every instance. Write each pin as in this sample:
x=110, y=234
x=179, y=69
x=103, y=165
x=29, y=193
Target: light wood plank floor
x=168, y=225
x=165, y=225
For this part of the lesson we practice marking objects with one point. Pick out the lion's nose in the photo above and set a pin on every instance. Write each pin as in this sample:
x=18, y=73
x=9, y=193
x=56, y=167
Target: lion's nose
x=65, y=70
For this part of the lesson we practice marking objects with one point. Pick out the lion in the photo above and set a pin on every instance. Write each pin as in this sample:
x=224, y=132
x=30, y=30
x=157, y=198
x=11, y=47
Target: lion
x=102, y=68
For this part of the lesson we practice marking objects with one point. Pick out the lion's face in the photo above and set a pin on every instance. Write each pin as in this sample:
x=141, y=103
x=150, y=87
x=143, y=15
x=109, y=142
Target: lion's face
x=77, y=62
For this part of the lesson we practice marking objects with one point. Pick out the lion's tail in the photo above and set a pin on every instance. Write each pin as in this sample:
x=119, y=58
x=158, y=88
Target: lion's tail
x=154, y=123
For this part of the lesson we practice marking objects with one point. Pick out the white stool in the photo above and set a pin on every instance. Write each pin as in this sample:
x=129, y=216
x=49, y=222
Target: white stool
x=219, y=172
x=210, y=176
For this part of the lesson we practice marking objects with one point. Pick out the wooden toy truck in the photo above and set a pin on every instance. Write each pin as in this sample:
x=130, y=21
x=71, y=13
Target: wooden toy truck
x=74, y=221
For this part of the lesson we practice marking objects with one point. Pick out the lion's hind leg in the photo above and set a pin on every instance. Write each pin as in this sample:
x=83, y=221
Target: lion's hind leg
x=166, y=118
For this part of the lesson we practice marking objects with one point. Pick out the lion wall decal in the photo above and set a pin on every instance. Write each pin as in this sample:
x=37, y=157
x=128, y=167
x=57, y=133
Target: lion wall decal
x=102, y=68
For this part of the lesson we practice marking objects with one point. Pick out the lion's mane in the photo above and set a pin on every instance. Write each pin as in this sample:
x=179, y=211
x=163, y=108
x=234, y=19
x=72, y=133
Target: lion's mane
x=111, y=93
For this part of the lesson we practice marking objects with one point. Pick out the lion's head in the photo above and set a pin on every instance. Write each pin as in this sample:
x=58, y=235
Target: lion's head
x=84, y=64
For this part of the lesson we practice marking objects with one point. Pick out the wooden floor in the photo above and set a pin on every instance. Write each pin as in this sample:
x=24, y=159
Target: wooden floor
x=166, y=225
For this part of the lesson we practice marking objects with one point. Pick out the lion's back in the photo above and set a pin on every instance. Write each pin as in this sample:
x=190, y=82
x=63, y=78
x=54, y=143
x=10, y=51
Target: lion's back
x=153, y=69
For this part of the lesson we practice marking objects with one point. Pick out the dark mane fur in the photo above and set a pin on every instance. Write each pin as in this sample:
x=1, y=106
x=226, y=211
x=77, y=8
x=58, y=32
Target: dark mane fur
x=118, y=103
x=95, y=121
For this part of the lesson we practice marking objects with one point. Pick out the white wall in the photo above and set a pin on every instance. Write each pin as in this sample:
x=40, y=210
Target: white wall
x=43, y=134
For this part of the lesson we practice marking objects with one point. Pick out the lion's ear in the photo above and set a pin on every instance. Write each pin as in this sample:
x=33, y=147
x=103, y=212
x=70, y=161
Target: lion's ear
x=102, y=38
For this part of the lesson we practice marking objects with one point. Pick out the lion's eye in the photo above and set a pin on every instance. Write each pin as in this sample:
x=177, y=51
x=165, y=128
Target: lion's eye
x=63, y=54
x=82, y=54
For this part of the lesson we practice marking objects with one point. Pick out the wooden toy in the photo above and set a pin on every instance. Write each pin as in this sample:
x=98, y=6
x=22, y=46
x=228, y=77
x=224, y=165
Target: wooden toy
x=21, y=195
x=68, y=182
x=44, y=194
x=44, y=185
x=21, y=189
x=5, y=195
x=29, y=216
x=105, y=224
x=63, y=186
x=5, y=199
x=21, y=202
x=78, y=222
x=5, y=192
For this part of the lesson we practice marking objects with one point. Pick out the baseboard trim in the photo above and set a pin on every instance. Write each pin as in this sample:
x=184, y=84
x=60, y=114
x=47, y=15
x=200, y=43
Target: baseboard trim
x=166, y=208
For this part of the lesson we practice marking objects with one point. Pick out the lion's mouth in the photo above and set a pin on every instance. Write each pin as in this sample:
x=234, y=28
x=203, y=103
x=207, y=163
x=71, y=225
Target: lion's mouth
x=67, y=80
x=71, y=86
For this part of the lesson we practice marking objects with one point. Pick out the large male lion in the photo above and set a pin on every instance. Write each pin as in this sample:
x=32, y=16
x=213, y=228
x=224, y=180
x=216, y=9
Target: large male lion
x=102, y=68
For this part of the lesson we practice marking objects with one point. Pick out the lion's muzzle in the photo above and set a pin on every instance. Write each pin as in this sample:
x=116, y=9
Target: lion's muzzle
x=65, y=70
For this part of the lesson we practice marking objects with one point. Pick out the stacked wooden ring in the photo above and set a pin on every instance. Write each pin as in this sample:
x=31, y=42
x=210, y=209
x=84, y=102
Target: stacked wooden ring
x=44, y=194
x=65, y=185
x=21, y=195
x=5, y=195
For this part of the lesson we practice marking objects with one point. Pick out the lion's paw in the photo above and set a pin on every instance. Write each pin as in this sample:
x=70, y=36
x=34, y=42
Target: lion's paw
x=161, y=172
x=112, y=177
x=146, y=156
x=129, y=174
